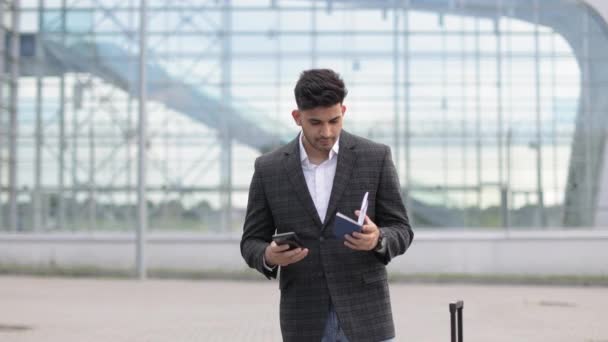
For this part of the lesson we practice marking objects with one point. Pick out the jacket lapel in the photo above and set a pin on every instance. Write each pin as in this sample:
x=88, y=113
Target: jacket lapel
x=293, y=168
x=346, y=162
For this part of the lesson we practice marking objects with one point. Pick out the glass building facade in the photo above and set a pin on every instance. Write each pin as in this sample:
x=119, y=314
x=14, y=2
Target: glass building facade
x=493, y=109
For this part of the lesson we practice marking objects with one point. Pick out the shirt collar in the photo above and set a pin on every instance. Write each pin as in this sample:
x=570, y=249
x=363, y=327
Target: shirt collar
x=304, y=156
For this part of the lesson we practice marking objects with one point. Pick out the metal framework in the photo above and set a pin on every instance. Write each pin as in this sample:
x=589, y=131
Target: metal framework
x=9, y=71
x=460, y=91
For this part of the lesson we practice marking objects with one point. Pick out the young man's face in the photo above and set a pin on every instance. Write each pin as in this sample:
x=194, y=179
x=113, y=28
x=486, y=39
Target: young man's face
x=321, y=125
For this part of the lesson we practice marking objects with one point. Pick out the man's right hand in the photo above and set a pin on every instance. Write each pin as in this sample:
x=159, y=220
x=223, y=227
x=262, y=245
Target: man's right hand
x=279, y=255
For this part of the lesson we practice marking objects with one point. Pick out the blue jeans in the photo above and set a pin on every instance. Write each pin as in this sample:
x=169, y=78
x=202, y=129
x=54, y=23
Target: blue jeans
x=333, y=331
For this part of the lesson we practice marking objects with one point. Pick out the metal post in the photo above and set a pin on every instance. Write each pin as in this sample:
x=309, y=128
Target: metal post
x=406, y=108
x=587, y=215
x=554, y=120
x=36, y=207
x=226, y=138
x=499, y=115
x=539, y=142
x=62, y=141
x=509, y=142
x=130, y=216
x=142, y=217
x=479, y=160
x=14, y=98
x=278, y=70
x=444, y=111
x=396, y=88
x=3, y=110
x=464, y=123
x=77, y=99
x=313, y=35
x=92, y=226
x=506, y=197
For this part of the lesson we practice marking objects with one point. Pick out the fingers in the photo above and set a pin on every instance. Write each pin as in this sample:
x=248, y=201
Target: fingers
x=358, y=235
x=278, y=248
x=293, y=256
x=352, y=246
x=299, y=256
x=367, y=219
x=358, y=242
x=368, y=228
x=350, y=238
x=352, y=242
x=290, y=254
x=361, y=241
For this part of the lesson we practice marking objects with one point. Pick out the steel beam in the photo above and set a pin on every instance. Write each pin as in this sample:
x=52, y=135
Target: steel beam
x=14, y=223
x=542, y=220
x=3, y=111
x=61, y=223
x=39, y=135
x=142, y=210
x=226, y=132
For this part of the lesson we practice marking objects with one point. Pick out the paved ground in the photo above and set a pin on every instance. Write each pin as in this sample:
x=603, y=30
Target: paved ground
x=90, y=310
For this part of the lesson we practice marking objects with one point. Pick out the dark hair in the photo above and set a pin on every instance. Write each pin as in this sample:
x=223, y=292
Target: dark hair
x=319, y=88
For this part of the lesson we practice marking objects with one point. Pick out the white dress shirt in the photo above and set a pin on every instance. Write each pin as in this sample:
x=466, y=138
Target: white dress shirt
x=319, y=179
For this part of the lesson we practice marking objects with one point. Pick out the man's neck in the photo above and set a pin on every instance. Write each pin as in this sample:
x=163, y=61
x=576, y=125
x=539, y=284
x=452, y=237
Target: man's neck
x=315, y=156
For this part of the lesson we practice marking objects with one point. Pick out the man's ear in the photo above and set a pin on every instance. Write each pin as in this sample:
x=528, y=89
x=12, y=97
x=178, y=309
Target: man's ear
x=297, y=117
x=343, y=110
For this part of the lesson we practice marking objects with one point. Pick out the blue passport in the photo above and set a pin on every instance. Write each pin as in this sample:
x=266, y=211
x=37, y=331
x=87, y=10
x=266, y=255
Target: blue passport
x=345, y=225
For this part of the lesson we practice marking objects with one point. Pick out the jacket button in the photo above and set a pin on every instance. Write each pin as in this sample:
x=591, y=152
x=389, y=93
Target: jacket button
x=321, y=238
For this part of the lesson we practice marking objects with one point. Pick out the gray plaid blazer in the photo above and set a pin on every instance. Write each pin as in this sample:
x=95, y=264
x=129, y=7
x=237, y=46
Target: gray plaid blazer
x=354, y=281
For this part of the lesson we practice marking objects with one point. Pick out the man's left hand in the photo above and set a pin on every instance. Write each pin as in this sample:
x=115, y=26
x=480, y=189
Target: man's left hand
x=367, y=239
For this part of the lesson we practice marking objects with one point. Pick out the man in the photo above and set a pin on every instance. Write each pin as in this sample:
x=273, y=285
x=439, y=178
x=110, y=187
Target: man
x=331, y=289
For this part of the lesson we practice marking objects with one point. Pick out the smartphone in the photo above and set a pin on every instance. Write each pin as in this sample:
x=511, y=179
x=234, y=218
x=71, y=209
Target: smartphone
x=290, y=238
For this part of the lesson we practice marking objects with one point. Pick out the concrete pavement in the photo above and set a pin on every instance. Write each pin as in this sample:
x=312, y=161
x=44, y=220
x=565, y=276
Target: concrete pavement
x=69, y=309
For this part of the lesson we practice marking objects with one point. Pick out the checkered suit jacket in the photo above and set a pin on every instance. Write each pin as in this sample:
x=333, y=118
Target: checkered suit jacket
x=354, y=281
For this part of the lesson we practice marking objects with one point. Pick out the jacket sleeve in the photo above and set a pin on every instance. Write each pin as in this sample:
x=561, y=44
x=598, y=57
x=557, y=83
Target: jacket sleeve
x=258, y=227
x=391, y=215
